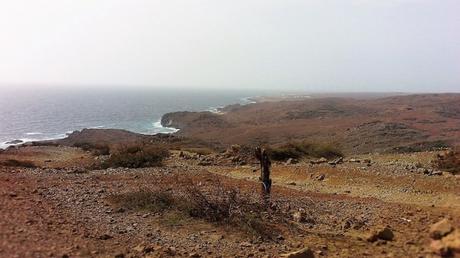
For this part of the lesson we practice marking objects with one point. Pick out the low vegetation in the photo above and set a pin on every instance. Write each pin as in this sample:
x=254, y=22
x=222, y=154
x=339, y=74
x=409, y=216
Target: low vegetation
x=199, y=150
x=218, y=204
x=144, y=200
x=96, y=149
x=137, y=156
x=449, y=161
x=422, y=146
x=18, y=163
x=297, y=150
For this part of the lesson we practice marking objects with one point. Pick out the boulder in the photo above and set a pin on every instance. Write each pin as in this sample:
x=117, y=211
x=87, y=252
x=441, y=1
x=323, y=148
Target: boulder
x=449, y=246
x=440, y=229
x=452, y=242
x=304, y=253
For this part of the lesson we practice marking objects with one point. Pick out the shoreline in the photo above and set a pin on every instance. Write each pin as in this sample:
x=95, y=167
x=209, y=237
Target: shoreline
x=157, y=127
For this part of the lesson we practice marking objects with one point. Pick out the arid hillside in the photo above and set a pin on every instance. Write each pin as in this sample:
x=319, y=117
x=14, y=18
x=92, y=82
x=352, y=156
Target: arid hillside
x=351, y=178
x=357, y=125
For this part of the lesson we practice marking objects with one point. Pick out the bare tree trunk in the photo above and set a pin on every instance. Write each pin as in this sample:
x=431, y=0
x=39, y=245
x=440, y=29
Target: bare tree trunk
x=265, y=164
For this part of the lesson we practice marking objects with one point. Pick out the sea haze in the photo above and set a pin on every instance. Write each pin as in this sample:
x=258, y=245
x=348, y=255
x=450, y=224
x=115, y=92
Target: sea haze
x=49, y=114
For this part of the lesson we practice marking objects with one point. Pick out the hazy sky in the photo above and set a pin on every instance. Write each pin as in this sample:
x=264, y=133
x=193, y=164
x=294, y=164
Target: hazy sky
x=317, y=45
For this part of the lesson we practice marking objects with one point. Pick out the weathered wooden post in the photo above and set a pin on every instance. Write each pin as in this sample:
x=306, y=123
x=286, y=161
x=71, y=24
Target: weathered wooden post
x=265, y=164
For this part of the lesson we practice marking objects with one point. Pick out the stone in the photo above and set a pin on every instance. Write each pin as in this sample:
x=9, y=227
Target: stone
x=383, y=234
x=298, y=217
x=452, y=242
x=336, y=161
x=195, y=255
x=171, y=251
x=303, y=253
x=143, y=248
x=319, y=161
x=440, y=229
x=449, y=246
x=291, y=161
x=105, y=237
x=321, y=177
x=245, y=244
x=139, y=248
x=436, y=173
x=13, y=194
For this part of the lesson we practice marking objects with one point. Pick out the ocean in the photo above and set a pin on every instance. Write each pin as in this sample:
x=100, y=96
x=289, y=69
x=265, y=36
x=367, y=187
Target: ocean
x=51, y=114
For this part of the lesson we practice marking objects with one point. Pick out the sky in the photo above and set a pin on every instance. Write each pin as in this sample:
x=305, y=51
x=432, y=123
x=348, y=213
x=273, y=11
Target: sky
x=311, y=45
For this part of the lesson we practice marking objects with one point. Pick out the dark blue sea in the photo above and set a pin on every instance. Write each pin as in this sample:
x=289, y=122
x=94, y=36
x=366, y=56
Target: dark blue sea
x=30, y=115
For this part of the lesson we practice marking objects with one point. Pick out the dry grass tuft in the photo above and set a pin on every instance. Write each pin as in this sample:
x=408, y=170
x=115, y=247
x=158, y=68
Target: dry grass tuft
x=214, y=203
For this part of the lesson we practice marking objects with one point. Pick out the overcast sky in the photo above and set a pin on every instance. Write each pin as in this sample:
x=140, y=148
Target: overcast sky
x=317, y=45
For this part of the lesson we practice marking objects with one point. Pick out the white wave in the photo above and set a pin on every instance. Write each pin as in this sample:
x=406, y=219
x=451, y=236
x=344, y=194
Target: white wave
x=3, y=145
x=34, y=133
x=215, y=110
x=23, y=140
x=247, y=100
x=97, y=127
x=158, y=128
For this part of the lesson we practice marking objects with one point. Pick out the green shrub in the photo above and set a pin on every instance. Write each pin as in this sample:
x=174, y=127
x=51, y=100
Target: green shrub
x=137, y=156
x=298, y=150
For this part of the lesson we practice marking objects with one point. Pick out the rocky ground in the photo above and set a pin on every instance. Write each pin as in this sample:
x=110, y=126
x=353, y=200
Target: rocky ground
x=364, y=206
